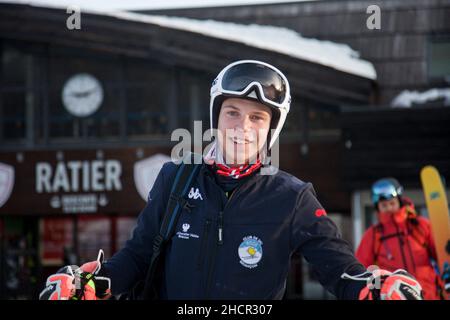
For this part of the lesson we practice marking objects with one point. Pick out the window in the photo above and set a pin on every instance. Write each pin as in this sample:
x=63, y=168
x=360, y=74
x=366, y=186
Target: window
x=13, y=66
x=13, y=114
x=147, y=91
x=19, y=258
x=193, y=103
x=311, y=120
x=142, y=98
x=13, y=93
x=439, y=59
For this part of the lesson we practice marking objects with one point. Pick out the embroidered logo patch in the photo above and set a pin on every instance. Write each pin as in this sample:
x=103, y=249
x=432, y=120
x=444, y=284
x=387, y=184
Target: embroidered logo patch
x=184, y=234
x=250, y=251
x=195, y=194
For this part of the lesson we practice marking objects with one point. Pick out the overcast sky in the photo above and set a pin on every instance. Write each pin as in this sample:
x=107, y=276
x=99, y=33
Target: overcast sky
x=147, y=4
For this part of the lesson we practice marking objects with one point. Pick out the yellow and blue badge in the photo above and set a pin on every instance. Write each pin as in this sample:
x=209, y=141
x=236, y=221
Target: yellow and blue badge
x=250, y=251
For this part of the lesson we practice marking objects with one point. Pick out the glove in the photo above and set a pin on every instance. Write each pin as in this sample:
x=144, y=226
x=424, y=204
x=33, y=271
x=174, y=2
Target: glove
x=78, y=283
x=85, y=286
x=59, y=286
x=385, y=285
x=69, y=283
x=102, y=282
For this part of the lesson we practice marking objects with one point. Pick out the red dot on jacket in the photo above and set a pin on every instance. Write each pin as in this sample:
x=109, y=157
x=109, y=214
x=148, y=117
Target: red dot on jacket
x=320, y=212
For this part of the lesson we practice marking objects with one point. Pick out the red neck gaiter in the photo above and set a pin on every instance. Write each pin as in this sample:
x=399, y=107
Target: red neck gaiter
x=399, y=217
x=221, y=169
x=236, y=172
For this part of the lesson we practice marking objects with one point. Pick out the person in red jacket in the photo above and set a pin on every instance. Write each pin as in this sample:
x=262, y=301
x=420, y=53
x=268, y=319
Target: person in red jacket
x=401, y=239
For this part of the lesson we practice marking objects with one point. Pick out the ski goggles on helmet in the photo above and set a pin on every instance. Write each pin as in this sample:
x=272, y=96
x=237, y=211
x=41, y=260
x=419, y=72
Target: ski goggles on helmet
x=385, y=190
x=240, y=78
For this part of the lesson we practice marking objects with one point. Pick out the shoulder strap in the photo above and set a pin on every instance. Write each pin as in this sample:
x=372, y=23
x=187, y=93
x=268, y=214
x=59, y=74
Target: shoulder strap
x=183, y=180
x=415, y=229
x=186, y=173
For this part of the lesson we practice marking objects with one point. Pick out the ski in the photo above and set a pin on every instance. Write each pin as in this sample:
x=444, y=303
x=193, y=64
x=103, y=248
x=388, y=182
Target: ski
x=437, y=205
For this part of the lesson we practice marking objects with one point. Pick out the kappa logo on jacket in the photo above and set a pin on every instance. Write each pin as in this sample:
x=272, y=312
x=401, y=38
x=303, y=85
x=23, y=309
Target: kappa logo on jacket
x=195, y=194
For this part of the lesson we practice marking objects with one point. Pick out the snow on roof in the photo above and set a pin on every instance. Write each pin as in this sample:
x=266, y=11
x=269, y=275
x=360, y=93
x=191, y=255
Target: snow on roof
x=407, y=98
x=276, y=39
x=153, y=4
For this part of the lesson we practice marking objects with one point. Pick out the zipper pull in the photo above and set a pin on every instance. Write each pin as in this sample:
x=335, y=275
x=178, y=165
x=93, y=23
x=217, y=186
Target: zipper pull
x=220, y=229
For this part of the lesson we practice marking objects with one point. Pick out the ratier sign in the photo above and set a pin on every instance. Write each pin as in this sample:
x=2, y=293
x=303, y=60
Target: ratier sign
x=78, y=181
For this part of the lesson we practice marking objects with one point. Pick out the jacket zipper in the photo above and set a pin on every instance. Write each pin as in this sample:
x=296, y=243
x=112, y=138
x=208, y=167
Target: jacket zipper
x=219, y=243
x=201, y=257
x=220, y=229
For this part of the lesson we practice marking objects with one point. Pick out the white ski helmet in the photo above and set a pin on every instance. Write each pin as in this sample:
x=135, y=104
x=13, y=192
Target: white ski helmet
x=251, y=79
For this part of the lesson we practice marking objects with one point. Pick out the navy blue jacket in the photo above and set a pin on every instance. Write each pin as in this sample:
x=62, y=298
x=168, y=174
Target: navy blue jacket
x=237, y=247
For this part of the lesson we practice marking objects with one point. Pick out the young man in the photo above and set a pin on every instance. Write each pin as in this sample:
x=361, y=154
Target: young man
x=401, y=239
x=236, y=240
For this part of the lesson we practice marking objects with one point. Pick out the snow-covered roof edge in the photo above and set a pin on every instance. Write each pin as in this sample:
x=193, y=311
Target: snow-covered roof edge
x=276, y=39
x=136, y=5
x=406, y=98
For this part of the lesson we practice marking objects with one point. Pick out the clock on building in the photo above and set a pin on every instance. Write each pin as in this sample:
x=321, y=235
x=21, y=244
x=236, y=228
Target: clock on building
x=82, y=95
